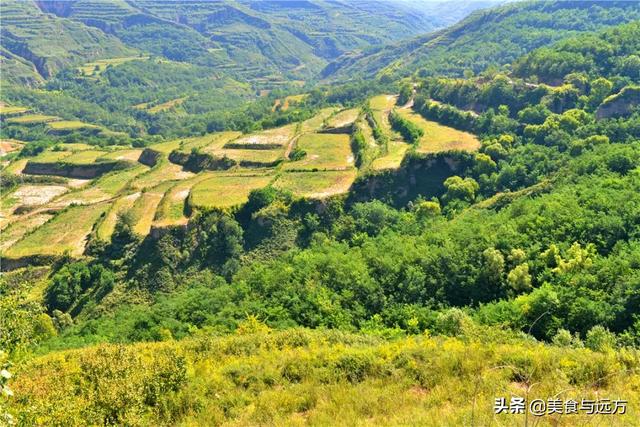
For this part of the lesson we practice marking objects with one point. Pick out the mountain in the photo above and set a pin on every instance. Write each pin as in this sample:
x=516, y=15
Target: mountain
x=265, y=40
x=493, y=36
x=35, y=45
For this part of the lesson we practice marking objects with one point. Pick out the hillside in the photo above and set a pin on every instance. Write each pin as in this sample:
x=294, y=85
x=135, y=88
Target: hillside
x=251, y=40
x=406, y=248
x=492, y=36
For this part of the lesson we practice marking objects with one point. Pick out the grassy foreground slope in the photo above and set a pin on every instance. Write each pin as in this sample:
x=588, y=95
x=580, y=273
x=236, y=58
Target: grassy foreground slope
x=325, y=378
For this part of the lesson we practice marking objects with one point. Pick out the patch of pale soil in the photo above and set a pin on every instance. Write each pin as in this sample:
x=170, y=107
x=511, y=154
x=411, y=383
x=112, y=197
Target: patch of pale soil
x=77, y=182
x=34, y=195
x=181, y=195
x=350, y=158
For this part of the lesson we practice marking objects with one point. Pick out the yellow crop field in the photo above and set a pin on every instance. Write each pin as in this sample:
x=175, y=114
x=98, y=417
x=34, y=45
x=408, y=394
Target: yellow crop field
x=170, y=211
x=393, y=157
x=343, y=118
x=324, y=151
x=85, y=157
x=438, y=137
x=226, y=190
x=316, y=122
x=16, y=166
x=18, y=228
x=70, y=125
x=126, y=155
x=29, y=119
x=166, y=147
x=9, y=110
x=316, y=184
x=107, y=226
x=383, y=102
x=208, y=141
x=144, y=208
x=163, y=171
x=51, y=156
x=66, y=232
x=277, y=136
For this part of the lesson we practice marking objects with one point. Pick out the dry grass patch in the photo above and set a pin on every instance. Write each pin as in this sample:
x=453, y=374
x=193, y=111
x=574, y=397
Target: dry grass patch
x=324, y=152
x=438, y=138
x=226, y=190
x=66, y=232
x=51, y=156
x=316, y=184
x=85, y=157
x=95, y=68
x=10, y=145
x=166, y=105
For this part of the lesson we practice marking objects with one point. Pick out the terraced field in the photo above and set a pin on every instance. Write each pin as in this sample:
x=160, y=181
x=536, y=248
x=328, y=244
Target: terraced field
x=95, y=68
x=64, y=233
x=316, y=184
x=32, y=119
x=54, y=218
x=438, y=137
x=396, y=151
x=324, y=152
x=225, y=190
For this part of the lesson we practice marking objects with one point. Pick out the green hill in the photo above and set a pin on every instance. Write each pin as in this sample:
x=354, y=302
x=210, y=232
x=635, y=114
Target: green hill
x=492, y=36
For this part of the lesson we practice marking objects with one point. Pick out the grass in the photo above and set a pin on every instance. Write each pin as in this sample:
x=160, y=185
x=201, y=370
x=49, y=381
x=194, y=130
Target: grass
x=66, y=232
x=71, y=125
x=144, y=208
x=343, y=118
x=393, y=158
x=438, y=138
x=224, y=190
x=107, y=226
x=30, y=119
x=316, y=184
x=320, y=378
x=324, y=152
